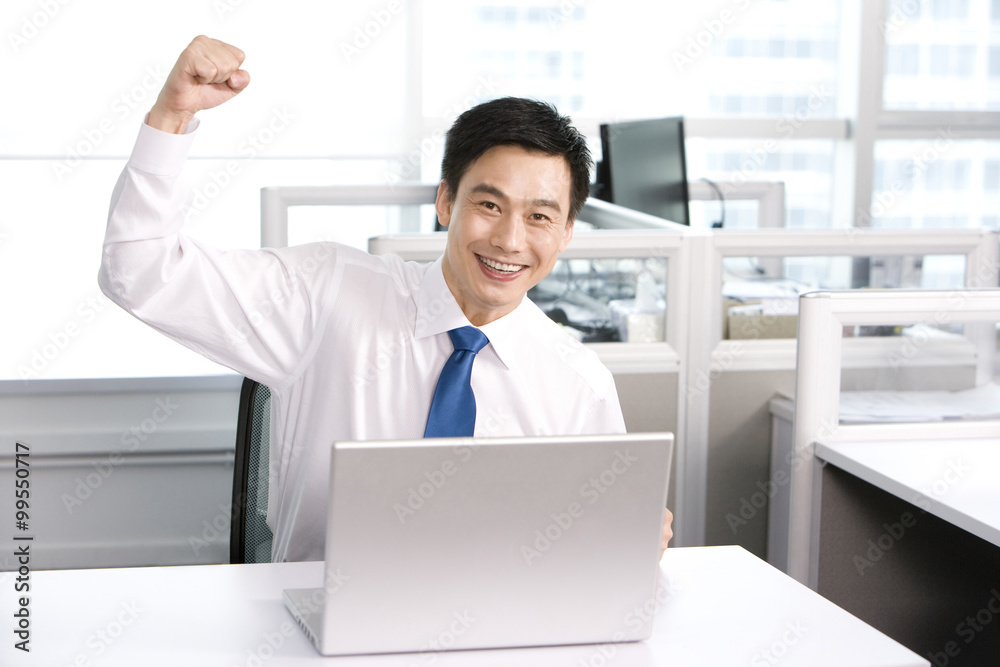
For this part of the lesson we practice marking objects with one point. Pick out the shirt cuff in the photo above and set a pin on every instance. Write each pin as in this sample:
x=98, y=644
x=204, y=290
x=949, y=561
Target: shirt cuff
x=162, y=153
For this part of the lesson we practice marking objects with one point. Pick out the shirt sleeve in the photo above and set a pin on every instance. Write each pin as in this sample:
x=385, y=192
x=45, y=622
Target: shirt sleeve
x=605, y=414
x=254, y=311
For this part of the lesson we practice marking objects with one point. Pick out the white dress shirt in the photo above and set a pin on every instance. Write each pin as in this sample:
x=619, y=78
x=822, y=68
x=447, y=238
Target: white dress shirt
x=351, y=345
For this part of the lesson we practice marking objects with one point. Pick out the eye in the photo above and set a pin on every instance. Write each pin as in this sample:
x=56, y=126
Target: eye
x=539, y=217
x=489, y=206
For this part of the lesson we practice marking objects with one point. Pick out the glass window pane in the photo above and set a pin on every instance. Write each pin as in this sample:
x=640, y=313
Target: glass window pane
x=933, y=184
x=290, y=108
x=681, y=58
x=604, y=300
x=805, y=166
x=949, y=57
x=760, y=294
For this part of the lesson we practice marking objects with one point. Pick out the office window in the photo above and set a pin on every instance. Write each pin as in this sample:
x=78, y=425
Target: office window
x=933, y=57
x=991, y=175
x=939, y=60
x=901, y=8
x=934, y=176
x=733, y=162
x=994, y=62
x=902, y=59
x=940, y=184
x=944, y=10
x=60, y=162
x=965, y=60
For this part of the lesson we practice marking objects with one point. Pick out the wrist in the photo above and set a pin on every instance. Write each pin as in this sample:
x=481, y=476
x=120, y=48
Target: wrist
x=167, y=121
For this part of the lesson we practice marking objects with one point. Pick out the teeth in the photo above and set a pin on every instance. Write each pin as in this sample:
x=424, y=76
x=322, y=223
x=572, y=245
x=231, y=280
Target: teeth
x=497, y=266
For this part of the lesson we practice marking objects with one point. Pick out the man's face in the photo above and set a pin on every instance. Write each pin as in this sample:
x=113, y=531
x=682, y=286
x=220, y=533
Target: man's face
x=507, y=223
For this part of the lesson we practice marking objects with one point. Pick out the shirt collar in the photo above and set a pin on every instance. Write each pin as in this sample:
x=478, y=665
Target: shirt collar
x=439, y=312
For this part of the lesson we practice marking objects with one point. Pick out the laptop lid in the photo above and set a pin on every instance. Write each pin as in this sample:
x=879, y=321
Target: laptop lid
x=466, y=543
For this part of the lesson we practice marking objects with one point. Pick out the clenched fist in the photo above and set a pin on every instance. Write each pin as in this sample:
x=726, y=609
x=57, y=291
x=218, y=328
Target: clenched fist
x=206, y=74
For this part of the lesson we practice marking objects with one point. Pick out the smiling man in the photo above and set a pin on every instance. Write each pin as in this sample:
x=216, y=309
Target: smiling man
x=352, y=345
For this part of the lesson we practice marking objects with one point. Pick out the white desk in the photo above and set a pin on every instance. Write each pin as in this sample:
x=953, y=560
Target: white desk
x=720, y=606
x=956, y=480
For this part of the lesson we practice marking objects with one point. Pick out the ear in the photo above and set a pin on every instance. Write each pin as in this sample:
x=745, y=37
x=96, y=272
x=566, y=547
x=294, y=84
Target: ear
x=443, y=204
x=567, y=234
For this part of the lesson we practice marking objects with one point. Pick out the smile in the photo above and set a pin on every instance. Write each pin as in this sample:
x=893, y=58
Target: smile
x=498, y=266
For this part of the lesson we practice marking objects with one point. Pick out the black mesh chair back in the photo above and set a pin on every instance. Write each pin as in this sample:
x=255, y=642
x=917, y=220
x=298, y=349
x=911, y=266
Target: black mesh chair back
x=249, y=537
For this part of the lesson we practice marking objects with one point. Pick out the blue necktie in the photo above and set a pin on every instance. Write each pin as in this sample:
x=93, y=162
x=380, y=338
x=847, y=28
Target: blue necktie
x=453, y=408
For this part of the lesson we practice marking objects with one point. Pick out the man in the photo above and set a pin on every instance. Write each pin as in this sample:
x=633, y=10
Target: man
x=352, y=345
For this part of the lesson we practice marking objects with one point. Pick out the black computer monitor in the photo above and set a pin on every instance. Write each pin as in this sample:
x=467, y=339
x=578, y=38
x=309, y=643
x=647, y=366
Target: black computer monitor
x=643, y=167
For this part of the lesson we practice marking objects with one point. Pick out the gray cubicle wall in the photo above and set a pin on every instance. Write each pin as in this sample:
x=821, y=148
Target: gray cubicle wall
x=739, y=446
x=123, y=472
x=649, y=403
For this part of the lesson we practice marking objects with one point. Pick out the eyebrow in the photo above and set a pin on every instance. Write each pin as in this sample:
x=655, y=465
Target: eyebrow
x=486, y=188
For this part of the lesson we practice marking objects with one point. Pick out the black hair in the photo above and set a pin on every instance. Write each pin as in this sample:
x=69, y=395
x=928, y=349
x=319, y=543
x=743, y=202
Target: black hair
x=515, y=121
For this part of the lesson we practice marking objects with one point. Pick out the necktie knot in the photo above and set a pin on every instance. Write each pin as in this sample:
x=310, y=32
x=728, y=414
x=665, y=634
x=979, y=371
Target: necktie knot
x=468, y=338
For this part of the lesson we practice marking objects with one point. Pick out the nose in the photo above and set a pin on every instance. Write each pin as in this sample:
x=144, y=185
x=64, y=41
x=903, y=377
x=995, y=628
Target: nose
x=509, y=233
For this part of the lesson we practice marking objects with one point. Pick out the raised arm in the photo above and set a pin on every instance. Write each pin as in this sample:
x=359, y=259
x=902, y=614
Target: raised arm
x=206, y=74
x=255, y=311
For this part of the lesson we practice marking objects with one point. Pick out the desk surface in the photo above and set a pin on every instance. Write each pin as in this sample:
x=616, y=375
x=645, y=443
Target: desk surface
x=956, y=480
x=717, y=606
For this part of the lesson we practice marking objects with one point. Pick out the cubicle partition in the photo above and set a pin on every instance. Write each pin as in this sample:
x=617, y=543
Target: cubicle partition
x=898, y=521
x=735, y=373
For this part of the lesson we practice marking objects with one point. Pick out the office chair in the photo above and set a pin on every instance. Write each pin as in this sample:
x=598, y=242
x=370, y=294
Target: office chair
x=249, y=536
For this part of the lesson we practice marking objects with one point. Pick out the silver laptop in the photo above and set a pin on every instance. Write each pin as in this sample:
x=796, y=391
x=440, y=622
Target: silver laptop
x=466, y=543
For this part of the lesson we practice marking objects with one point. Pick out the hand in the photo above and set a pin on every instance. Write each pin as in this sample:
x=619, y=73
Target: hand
x=668, y=532
x=206, y=74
